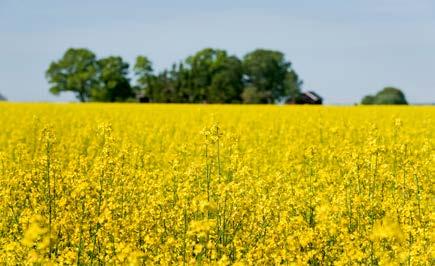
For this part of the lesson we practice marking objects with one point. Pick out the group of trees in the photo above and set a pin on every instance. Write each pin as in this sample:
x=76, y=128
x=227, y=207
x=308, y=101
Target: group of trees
x=210, y=75
x=389, y=95
x=79, y=71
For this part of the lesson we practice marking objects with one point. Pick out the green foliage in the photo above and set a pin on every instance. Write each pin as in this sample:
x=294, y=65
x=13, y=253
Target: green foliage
x=252, y=95
x=143, y=69
x=113, y=84
x=292, y=85
x=368, y=99
x=226, y=85
x=76, y=71
x=390, y=95
x=210, y=75
x=79, y=71
x=214, y=76
x=387, y=96
x=271, y=75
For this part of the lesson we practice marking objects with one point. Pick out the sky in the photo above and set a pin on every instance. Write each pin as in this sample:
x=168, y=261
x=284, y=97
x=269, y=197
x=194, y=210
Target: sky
x=342, y=49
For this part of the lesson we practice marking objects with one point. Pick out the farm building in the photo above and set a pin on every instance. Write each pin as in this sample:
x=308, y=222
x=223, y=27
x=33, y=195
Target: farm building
x=142, y=98
x=308, y=97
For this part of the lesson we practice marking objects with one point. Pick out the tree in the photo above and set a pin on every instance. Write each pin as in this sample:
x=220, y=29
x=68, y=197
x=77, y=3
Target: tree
x=388, y=95
x=227, y=81
x=368, y=99
x=202, y=68
x=164, y=87
x=210, y=75
x=113, y=84
x=143, y=69
x=292, y=86
x=76, y=71
x=2, y=98
x=270, y=74
x=251, y=95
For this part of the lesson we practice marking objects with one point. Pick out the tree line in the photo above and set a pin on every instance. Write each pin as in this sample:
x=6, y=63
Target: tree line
x=208, y=76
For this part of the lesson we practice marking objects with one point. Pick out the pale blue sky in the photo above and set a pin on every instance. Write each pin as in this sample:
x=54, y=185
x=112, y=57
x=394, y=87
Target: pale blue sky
x=342, y=49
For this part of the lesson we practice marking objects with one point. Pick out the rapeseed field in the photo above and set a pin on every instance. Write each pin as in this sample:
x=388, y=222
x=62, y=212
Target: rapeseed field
x=118, y=184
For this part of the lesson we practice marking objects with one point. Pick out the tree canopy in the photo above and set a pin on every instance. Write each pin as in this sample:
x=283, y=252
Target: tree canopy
x=76, y=71
x=2, y=98
x=389, y=95
x=91, y=79
x=269, y=76
x=113, y=84
x=210, y=75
